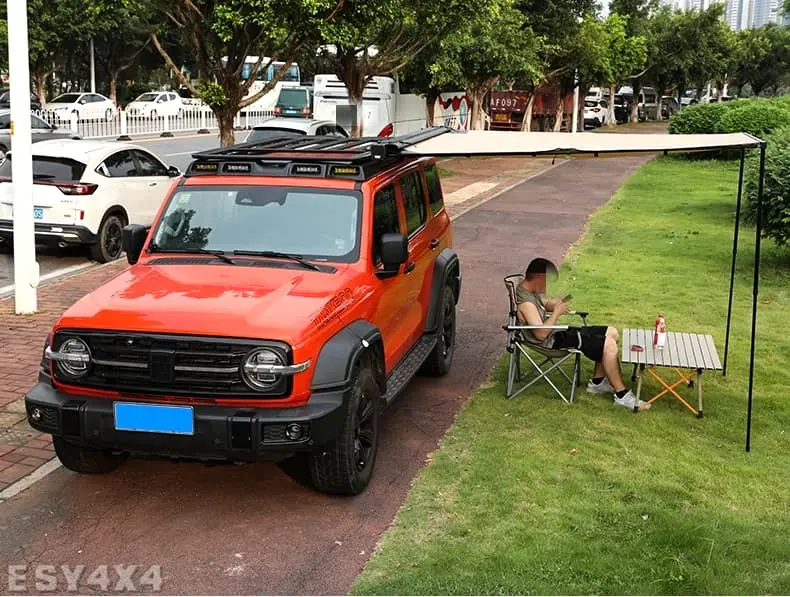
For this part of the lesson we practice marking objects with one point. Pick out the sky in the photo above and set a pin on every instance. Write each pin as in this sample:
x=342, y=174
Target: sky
x=604, y=4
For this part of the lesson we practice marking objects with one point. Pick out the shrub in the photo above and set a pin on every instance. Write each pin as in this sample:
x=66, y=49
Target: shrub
x=757, y=117
x=700, y=118
x=776, y=189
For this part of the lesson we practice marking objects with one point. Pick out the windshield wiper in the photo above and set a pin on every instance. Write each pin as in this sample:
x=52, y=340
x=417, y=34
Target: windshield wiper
x=154, y=248
x=298, y=258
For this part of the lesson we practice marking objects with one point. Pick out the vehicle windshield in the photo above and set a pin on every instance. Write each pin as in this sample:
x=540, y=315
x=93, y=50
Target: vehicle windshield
x=292, y=97
x=590, y=103
x=147, y=97
x=318, y=224
x=66, y=98
x=271, y=132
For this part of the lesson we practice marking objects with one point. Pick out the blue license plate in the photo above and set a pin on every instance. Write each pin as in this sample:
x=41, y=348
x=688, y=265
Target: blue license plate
x=154, y=418
x=38, y=213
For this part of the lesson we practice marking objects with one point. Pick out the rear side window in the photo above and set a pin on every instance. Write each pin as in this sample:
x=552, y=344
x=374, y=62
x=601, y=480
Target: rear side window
x=49, y=168
x=434, y=188
x=385, y=217
x=413, y=201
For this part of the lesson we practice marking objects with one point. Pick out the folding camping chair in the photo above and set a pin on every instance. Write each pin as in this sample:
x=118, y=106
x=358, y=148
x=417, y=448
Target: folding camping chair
x=519, y=344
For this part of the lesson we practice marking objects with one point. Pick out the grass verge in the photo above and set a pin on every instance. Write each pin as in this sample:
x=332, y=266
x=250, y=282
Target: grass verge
x=532, y=496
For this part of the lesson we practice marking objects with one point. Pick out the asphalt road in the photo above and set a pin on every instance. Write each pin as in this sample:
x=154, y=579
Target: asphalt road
x=254, y=529
x=175, y=151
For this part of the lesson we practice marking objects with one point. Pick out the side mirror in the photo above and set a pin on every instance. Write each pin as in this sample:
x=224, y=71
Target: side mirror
x=394, y=253
x=173, y=172
x=132, y=241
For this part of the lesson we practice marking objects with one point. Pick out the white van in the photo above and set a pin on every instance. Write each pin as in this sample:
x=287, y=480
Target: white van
x=378, y=104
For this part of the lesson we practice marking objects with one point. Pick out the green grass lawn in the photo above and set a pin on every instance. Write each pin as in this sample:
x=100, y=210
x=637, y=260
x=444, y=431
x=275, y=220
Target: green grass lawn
x=535, y=496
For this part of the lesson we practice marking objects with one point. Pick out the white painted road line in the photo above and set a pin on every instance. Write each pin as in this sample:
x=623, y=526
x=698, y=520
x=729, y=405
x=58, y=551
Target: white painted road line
x=72, y=269
x=27, y=481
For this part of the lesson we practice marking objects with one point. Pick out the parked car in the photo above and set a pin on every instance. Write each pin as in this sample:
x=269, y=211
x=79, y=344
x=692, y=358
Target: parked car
x=669, y=106
x=87, y=106
x=294, y=101
x=275, y=127
x=596, y=111
x=648, y=106
x=86, y=191
x=5, y=100
x=40, y=131
x=622, y=108
x=156, y=104
x=275, y=313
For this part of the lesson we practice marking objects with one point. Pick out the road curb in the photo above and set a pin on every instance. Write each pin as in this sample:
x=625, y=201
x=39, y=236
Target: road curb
x=59, y=276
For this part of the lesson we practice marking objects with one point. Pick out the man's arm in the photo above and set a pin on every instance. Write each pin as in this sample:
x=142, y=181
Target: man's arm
x=529, y=314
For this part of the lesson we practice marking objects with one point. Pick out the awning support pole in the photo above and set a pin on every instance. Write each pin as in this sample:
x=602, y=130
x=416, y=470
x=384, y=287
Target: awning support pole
x=734, y=256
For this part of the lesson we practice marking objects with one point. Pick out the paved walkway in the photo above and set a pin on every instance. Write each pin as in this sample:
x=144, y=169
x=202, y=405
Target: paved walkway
x=255, y=529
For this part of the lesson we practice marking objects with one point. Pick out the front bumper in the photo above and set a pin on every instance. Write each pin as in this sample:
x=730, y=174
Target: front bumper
x=220, y=432
x=51, y=233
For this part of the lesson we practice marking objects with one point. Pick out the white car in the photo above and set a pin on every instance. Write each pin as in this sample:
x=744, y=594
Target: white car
x=156, y=104
x=596, y=111
x=86, y=191
x=87, y=106
x=294, y=126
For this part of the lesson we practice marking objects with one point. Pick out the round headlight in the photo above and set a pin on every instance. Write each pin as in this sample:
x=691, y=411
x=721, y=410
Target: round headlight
x=255, y=369
x=75, y=358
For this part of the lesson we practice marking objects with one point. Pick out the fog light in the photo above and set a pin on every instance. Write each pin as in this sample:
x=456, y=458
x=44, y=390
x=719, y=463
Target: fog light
x=36, y=414
x=294, y=431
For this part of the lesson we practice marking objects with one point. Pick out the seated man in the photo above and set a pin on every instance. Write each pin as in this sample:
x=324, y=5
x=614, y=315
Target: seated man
x=598, y=343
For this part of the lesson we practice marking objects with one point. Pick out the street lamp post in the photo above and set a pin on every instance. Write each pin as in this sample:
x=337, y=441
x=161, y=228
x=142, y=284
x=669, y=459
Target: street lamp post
x=26, y=272
x=575, y=117
x=93, y=70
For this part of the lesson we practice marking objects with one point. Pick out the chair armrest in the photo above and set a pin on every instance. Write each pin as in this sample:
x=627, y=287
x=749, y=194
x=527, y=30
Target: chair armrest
x=582, y=314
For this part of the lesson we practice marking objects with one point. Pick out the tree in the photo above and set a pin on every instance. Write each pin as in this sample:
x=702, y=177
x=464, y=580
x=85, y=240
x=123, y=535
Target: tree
x=625, y=54
x=589, y=56
x=491, y=47
x=220, y=34
x=763, y=57
x=121, y=34
x=363, y=47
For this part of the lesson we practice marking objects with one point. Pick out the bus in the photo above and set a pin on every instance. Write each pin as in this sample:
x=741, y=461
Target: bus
x=291, y=78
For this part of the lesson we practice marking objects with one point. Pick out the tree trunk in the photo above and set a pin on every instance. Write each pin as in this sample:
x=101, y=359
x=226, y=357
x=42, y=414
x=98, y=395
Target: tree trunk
x=357, y=115
x=430, y=107
x=477, y=95
x=40, y=81
x=114, y=74
x=526, y=126
x=611, y=119
x=559, y=113
x=354, y=80
x=225, y=116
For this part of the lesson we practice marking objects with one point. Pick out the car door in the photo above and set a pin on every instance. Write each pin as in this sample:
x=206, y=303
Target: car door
x=392, y=306
x=155, y=182
x=128, y=189
x=416, y=269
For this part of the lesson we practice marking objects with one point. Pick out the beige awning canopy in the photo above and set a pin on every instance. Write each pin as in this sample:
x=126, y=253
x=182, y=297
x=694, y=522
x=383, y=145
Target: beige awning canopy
x=498, y=143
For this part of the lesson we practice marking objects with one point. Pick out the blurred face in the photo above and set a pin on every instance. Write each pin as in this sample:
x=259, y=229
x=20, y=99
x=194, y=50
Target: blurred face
x=537, y=284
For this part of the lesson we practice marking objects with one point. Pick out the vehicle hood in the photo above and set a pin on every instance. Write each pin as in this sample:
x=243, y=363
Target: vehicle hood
x=215, y=300
x=58, y=104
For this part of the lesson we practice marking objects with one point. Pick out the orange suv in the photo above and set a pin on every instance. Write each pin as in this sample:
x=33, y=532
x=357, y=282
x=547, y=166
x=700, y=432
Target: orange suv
x=285, y=294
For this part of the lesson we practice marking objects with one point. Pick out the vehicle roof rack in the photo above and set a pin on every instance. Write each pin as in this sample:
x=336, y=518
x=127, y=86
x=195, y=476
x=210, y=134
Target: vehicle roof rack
x=309, y=155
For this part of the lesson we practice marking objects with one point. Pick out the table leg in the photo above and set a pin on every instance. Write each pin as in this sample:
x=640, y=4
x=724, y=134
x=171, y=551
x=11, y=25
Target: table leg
x=699, y=393
x=638, y=385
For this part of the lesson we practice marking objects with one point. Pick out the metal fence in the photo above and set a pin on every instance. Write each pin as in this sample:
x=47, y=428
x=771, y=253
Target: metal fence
x=122, y=125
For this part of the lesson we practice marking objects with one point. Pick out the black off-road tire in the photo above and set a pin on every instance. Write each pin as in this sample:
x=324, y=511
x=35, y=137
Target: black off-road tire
x=341, y=469
x=440, y=360
x=85, y=460
x=108, y=244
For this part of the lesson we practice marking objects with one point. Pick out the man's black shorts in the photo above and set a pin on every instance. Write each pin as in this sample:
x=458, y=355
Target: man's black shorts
x=591, y=337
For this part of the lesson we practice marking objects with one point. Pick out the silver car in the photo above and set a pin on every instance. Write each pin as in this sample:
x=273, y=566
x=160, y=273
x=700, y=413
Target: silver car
x=40, y=130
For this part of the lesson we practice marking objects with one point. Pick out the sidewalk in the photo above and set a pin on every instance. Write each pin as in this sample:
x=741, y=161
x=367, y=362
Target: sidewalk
x=466, y=183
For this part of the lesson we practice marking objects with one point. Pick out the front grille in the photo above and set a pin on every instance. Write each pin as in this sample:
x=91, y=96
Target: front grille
x=170, y=364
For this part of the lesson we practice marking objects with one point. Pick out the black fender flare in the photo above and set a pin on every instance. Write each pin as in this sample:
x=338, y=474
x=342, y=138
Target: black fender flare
x=446, y=270
x=339, y=354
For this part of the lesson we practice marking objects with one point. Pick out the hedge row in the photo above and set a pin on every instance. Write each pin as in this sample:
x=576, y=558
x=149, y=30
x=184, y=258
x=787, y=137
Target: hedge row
x=756, y=116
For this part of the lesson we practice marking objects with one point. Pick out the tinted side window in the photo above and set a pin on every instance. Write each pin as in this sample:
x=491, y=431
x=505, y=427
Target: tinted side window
x=48, y=168
x=385, y=217
x=413, y=201
x=148, y=165
x=434, y=188
x=121, y=164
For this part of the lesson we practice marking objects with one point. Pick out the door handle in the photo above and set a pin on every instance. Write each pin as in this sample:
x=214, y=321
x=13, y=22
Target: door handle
x=434, y=243
x=152, y=184
x=409, y=267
